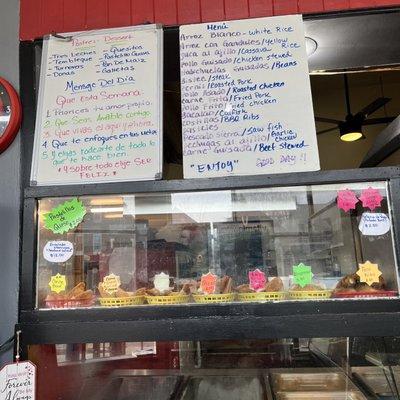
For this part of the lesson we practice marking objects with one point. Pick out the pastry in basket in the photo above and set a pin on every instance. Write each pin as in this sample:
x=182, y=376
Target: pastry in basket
x=156, y=292
x=222, y=285
x=77, y=290
x=83, y=296
x=119, y=293
x=311, y=287
x=163, y=294
x=351, y=284
x=189, y=287
x=103, y=292
x=214, y=290
x=55, y=297
x=76, y=296
x=274, y=285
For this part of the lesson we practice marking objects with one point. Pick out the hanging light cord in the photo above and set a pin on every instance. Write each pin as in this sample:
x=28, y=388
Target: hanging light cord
x=383, y=94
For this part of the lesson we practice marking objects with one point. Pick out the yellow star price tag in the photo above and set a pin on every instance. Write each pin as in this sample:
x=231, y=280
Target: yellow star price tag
x=369, y=273
x=111, y=283
x=58, y=283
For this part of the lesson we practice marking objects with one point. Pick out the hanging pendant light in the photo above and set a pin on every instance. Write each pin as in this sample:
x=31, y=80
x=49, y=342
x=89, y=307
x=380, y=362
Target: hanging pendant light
x=351, y=129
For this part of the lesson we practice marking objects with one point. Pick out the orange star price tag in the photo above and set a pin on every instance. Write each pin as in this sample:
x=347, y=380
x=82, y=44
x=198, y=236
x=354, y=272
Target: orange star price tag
x=369, y=273
x=208, y=283
x=58, y=283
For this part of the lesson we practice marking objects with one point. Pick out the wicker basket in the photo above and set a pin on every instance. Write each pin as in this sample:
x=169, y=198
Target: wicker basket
x=214, y=298
x=160, y=300
x=70, y=303
x=310, y=295
x=121, y=301
x=261, y=296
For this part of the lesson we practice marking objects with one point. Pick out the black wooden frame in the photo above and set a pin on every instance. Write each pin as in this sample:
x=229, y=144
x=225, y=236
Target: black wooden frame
x=328, y=318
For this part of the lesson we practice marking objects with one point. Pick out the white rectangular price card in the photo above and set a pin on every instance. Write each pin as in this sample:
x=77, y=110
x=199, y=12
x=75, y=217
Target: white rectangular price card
x=246, y=98
x=99, y=116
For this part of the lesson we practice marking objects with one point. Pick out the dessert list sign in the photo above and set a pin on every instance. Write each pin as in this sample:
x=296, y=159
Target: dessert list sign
x=99, y=117
x=246, y=98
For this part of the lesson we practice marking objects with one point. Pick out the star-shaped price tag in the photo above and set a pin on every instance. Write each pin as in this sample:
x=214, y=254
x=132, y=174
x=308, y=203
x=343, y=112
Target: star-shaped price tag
x=371, y=198
x=346, y=200
x=58, y=283
x=257, y=280
x=208, y=283
x=369, y=273
x=302, y=274
x=111, y=283
x=161, y=282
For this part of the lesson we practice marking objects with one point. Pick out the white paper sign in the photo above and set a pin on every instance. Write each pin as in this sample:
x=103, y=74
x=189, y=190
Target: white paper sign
x=18, y=381
x=58, y=251
x=161, y=282
x=374, y=224
x=99, y=116
x=246, y=98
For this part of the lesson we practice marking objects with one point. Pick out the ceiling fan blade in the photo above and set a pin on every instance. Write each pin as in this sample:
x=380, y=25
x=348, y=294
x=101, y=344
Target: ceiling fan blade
x=328, y=120
x=374, y=106
x=327, y=130
x=376, y=121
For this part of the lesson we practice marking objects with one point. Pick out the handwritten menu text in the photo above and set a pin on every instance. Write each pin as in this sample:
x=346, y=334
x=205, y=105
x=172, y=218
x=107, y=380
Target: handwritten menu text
x=246, y=100
x=99, y=108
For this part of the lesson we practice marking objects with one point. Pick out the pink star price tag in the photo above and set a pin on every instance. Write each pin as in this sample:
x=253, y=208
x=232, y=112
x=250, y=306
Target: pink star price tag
x=257, y=280
x=346, y=200
x=371, y=198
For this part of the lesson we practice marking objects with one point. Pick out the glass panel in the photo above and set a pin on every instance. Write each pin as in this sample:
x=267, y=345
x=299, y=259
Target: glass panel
x=271, y=369
x=277, y=244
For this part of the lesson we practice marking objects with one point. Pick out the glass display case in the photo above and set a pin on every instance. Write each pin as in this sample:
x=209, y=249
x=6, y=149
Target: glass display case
x=275, y=244
x=340, y=368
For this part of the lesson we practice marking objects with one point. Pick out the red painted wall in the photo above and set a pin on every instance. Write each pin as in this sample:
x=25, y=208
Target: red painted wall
x=41, y=17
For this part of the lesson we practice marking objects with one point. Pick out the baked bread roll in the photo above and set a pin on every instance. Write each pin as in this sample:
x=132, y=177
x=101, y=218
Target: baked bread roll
x=275, y=285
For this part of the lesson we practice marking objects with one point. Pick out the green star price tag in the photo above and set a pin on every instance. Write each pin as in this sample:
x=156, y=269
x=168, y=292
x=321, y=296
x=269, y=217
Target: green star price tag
x=302, y=274
x=65, y=217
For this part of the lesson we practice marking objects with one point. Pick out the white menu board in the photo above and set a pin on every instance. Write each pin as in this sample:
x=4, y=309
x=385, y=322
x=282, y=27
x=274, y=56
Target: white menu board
x=246, y=98
x=99, y=116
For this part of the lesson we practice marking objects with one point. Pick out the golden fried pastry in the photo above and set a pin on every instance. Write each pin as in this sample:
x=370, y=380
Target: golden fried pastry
x=186, y=289
x=307, y=288
x=140, y=292
x=77, y=290
x=345, y=290
x=103, y=292
x=381, y=285
x=123, y=293
x=153, y=292
x=228, y=286
x=275, y=285
x=55, y=297
x=351, y=283
x=86, y=295
x=245, y=288
x=365, y=288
